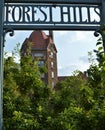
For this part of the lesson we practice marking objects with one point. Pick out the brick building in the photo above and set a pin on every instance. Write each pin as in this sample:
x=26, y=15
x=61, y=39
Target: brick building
x=43, y=48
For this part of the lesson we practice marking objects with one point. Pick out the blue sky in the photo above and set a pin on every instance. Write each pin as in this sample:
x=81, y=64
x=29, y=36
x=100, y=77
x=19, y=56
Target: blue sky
x=72, y=46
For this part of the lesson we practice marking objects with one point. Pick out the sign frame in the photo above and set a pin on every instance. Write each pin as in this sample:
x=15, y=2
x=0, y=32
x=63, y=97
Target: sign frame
x=57, y=1
x=9, y=28
x=72, y=12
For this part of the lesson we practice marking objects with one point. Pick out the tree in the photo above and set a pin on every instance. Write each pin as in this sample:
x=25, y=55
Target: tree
x=77, y=103
x=25, y=95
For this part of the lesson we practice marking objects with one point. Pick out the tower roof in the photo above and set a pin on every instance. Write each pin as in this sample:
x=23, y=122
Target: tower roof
x=39, y=40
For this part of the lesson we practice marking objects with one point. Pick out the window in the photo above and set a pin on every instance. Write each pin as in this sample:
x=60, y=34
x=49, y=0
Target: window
x=52, y=74
x=38, y=54
x=52, y=64
x=51, y=55
x=53, y=85
x=25, y=54
x=43, y=75
x=41, y=63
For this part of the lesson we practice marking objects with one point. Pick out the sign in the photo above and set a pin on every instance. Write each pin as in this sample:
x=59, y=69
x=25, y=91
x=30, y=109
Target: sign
x=49, y=15
x=52, y=16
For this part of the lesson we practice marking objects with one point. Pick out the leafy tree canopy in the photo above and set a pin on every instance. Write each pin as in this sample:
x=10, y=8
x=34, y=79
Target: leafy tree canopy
x=77, y=103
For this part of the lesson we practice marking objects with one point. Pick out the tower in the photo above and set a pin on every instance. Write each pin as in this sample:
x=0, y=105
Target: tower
x=44, y=49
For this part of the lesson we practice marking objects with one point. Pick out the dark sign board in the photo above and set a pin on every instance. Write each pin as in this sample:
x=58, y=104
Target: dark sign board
x=50, y=16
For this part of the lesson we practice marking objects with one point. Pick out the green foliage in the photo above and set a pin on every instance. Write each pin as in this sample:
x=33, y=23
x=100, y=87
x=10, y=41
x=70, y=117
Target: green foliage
x=25, y=95
x=77, y=103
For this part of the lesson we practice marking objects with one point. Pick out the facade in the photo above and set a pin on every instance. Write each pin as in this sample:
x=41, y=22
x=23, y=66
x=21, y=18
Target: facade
x=44, y=50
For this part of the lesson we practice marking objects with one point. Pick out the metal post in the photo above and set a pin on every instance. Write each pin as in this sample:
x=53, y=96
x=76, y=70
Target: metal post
x=1, y=62
x=103, y=22
x=103, y=12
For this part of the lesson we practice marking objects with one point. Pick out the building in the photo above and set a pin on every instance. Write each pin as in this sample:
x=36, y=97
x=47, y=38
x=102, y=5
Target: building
x=43, y=49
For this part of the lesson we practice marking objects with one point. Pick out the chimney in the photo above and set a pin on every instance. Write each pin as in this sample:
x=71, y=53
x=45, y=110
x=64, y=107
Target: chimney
x=51, y=34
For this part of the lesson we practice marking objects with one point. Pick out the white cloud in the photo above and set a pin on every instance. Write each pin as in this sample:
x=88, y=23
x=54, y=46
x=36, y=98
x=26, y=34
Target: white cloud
x=69, y=69
x=61, y=33
x=84, y=59
x=16, y=58
x=81, y=64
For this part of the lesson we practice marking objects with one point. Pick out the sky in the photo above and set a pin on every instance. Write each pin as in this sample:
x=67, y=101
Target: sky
x=72, y=47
